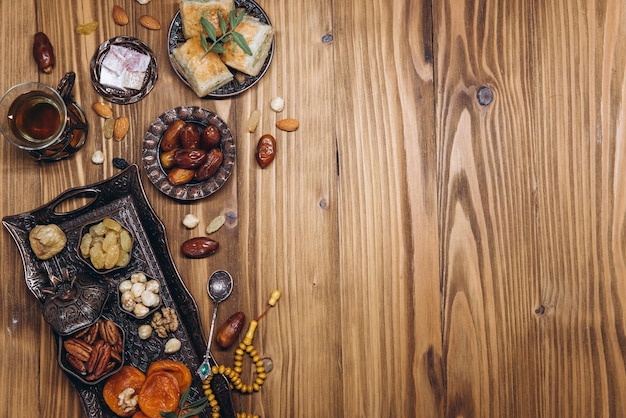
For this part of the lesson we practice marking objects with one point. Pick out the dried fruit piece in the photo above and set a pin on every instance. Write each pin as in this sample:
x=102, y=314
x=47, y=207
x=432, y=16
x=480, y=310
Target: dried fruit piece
x=288, y=125
x=47, y=241
x=210, y=138
x=150, y=22
x=179, y=175
x=199, y=247
x=107, y=244
x=119, y=16
x=120, y=163
x=176, y=368
x=120, y=129
x=171, y=137
x=102, y=109
x=211, y=165
x=189, y=158
x=189, y=136
x=253, y=120
x=167, y=159
x=230, y=330
x=107, y=129
x=265, y=150
x=159, y=393
x=215, y=224
x=43, y=52
x=86, y=28
x=128, y=377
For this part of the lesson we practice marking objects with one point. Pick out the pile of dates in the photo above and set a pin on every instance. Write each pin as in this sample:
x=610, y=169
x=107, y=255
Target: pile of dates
x=190, y=152
x=95, y=351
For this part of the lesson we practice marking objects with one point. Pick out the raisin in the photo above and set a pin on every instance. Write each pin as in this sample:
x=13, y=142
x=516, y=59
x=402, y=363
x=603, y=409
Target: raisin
x=120, y=163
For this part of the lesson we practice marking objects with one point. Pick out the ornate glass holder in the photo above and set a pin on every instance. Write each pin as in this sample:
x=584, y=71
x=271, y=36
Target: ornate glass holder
x=21, y=122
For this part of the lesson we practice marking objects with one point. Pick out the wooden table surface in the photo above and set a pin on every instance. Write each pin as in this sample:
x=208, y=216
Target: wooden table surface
x=439, y=254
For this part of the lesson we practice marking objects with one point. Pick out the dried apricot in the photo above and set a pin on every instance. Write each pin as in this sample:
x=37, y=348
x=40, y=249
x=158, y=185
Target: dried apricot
x=177, y=369
x=128, y=377
x=159, y=393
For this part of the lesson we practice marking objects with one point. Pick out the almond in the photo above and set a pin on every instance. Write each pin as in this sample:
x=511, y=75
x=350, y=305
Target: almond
x=119, y=16
x=122, y=124
x=288, y=125
x=102, y=109
x=150, y=22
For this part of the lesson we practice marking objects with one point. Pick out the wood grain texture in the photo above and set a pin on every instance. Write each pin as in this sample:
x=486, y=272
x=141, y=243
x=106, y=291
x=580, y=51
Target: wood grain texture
x=437, y=257
x=528, y=208
x=391, y=344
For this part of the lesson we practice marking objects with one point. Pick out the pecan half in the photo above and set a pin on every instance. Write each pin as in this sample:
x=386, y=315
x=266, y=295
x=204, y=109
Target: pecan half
x=78, y=348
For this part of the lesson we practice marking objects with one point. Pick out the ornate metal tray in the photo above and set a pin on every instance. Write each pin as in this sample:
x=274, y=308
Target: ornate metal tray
x=123, y=197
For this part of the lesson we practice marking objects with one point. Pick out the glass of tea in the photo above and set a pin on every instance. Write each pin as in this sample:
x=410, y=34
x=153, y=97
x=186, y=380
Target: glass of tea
x=42, y=120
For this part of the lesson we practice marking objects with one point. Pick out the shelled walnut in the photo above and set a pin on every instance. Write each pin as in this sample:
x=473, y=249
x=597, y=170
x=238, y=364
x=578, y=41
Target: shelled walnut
x=164, y=321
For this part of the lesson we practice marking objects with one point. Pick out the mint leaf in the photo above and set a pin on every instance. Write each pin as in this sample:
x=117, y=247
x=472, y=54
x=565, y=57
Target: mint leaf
x=208, y=28
x=241, y=41
x=222, y=23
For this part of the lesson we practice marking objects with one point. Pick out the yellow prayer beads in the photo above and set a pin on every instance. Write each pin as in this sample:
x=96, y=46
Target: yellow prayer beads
x=233, y=374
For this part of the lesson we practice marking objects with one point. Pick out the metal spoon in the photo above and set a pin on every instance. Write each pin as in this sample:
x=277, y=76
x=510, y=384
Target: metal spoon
x=219, y=287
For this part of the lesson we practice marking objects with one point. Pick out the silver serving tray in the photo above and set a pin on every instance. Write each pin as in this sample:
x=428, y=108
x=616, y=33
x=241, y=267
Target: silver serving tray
x=123, y=197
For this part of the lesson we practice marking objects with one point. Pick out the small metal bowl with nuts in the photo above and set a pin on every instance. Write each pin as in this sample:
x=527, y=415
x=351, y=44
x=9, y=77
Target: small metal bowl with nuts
x=105, y=245
x=139, y=295
x=93, y=353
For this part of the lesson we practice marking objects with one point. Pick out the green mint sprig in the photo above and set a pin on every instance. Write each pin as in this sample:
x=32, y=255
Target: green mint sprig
x=217, y=44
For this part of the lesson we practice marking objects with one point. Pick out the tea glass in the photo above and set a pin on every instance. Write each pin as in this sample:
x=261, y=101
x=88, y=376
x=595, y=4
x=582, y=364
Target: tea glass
x=43, y=121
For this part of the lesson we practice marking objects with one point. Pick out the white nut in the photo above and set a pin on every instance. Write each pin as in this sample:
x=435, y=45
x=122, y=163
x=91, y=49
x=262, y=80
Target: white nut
x=128, y=301
x=139, y=277
x=138, y=289
x=277, y=104
x=153, y=286
x=144, y=331
x=140, y=310
x=143, y=1
x=97, y=157
x=190, y=221
x=125, y=285
x=172, y=345
x=150, y=299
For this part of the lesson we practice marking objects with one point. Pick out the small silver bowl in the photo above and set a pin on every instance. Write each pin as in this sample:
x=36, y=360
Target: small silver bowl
x=75, y=357
x=98, y=234
x=136, y=313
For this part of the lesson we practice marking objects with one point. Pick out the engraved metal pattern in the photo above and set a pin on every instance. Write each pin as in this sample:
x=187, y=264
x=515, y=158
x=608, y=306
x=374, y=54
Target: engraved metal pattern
x=122, y=197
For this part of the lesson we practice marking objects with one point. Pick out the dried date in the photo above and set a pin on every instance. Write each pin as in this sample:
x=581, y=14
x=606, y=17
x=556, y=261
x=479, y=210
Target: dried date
x=179, y=175
x=189, y=158
x=189, y=136
x=199, y=247
x=43, y=52
x=230, y=330
x=265, y=150
x=171, y=137
x=210, y=138
x=213, y=162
